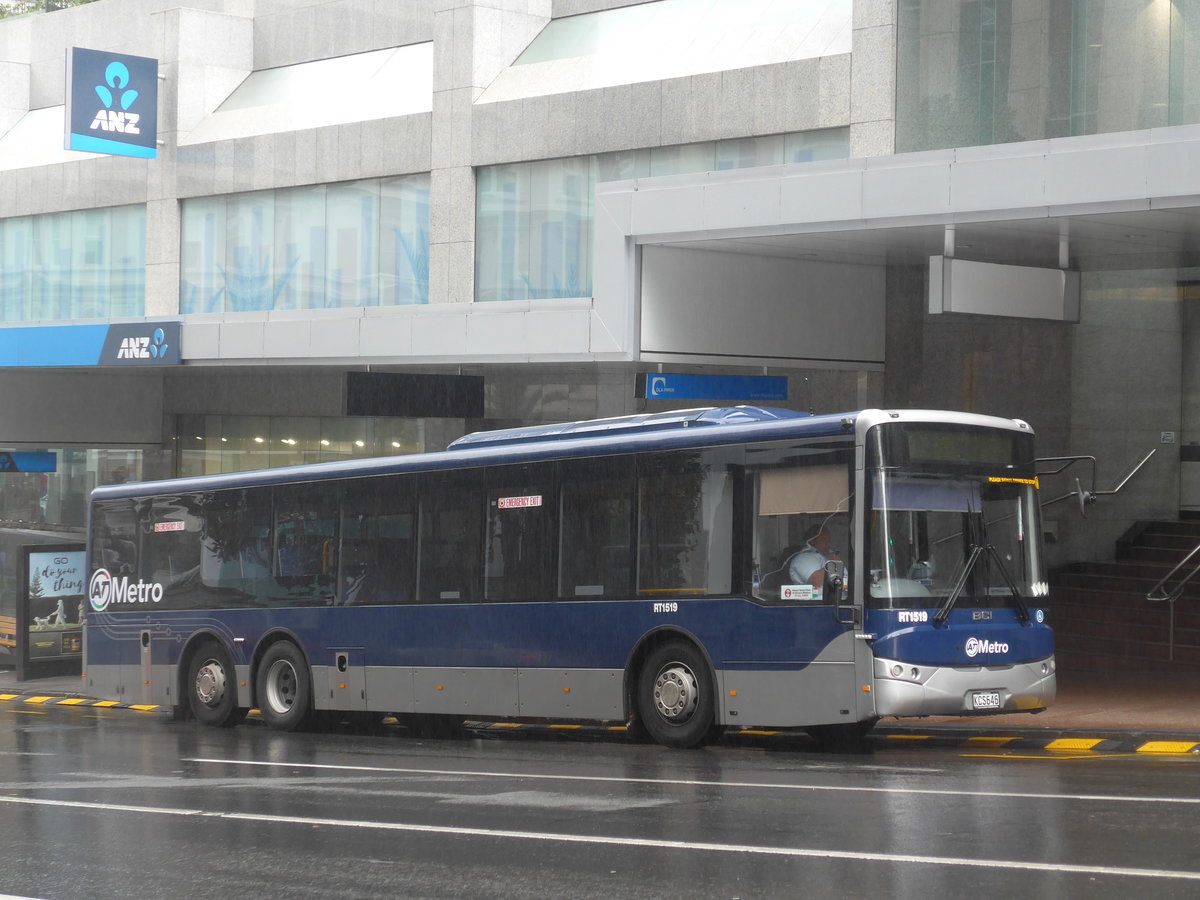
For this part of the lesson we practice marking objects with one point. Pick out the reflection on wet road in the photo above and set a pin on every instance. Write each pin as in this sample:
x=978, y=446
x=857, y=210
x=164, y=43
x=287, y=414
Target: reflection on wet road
x=120, y=804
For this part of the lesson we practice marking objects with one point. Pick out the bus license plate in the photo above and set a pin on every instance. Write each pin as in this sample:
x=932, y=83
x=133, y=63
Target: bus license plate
x=985, y=700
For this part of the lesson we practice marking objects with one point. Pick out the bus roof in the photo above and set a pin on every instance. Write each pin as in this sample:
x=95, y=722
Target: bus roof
x=640, y=424
x=677, y=430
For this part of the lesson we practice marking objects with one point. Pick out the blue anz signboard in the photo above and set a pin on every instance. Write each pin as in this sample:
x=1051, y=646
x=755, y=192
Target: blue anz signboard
x=756, y=388
x=138, y=344
x=112, y=103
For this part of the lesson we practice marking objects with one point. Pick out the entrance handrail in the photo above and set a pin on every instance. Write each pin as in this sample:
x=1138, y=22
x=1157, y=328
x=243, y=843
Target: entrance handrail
x=1085, y=496
x=1160, y=594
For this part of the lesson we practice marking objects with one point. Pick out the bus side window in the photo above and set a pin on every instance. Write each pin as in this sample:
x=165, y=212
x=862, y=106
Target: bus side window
x=378, y=543
x=304, y=537
x=114, y=537
x=451, y=539
x=801, y=503
x=518, y=551
x=685, y=526
x=171, y=546
x=596, y=529
x=235, y=550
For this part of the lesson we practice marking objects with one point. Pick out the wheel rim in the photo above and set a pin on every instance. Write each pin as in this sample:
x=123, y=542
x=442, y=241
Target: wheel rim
x=211, y=683
x=676, y=693
x=281, y=686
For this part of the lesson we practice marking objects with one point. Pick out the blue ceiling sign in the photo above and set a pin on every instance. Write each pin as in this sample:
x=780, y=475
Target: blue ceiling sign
x=756, y=388
x=112, y=103
x=126, y=344
x=27, y=461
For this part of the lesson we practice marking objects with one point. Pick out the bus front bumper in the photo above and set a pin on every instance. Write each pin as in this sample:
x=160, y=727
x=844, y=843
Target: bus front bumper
x=905, y=689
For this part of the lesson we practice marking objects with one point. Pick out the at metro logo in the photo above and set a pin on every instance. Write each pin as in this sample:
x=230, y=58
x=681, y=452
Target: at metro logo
x=975, y=646
x=134, y=348
x=105, y=590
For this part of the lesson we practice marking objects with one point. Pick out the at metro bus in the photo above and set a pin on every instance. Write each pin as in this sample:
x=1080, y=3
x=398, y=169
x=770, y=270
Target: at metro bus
x=637, y=571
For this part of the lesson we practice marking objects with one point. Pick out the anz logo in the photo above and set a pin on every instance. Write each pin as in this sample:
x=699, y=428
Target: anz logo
x=143, y=347
x=116, y=91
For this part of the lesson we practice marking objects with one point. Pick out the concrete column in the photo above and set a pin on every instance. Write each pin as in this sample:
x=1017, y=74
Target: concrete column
x=473, y=42
x=205, y=56
x=873, y=79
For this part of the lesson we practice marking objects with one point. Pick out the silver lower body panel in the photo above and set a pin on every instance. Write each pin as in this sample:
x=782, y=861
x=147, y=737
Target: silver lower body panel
x=949, y=691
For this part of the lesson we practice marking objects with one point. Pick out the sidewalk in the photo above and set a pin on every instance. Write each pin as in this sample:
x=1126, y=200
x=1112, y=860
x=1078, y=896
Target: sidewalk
x=56, y=685
x=1117, y=703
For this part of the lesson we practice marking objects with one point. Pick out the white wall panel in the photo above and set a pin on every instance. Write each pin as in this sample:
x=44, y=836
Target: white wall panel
x=710, y=303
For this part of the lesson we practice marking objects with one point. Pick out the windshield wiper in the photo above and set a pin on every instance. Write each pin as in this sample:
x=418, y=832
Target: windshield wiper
x=959, y=584
x=1022, y=609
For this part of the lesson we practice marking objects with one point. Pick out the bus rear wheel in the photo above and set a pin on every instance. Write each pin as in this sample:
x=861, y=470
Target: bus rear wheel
x=284, y=687
x=675, y=696
x=212, y=685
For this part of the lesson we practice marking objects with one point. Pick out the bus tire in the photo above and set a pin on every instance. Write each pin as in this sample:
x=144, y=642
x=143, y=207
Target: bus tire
x=284, y=687
x=675, y=696
x=212, y=685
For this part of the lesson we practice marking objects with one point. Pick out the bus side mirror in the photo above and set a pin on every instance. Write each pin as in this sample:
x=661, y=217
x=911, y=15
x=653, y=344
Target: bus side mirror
x=835, y=575
x=835, y=589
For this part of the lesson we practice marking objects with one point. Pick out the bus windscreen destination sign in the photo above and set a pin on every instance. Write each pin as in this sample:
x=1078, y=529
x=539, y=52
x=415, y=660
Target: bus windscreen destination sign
x=112, y=103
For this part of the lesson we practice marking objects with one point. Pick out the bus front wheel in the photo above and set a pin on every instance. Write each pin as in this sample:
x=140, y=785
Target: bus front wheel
x=284, y=688
x=676, y=696
x=212, y=685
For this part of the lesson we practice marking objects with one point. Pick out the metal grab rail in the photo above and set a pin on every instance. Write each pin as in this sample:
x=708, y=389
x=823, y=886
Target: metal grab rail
x=1160, y=594
x=1087, y=497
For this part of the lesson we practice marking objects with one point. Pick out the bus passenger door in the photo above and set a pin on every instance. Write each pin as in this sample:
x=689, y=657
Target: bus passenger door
x=800, y=500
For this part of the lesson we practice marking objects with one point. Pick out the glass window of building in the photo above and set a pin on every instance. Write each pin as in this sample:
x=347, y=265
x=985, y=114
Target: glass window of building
x=85, y=264
x=210, y=445
x=533, y=220
x=317, y=247
x=993, y=71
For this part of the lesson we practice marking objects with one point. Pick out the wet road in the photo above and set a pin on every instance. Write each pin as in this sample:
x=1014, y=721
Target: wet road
x=121, y=804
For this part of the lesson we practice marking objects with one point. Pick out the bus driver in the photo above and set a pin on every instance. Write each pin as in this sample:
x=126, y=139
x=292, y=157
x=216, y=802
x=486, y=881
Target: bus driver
x=807, y=566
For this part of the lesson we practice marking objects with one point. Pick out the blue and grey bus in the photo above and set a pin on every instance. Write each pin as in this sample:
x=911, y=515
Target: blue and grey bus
x=642, y=571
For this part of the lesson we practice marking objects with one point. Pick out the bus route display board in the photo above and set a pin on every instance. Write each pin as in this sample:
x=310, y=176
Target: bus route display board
x=49, y=632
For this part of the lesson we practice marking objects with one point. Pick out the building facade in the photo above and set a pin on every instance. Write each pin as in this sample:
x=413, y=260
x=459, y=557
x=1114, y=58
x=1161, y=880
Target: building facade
x=373, y=226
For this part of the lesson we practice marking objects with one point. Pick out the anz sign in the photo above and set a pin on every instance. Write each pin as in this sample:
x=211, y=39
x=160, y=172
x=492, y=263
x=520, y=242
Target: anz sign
x=112, y=103
x=151, y=344
x=125, y=344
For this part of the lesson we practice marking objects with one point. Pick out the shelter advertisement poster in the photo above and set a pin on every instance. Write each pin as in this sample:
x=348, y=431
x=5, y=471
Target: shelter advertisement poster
x=50, y=615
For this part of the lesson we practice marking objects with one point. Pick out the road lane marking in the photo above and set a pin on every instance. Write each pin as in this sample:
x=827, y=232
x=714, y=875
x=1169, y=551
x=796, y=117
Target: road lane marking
x=606, y=840
x=685, y=782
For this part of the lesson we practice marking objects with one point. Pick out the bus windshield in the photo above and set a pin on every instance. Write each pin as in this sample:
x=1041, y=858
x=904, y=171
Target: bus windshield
x=936, y=541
